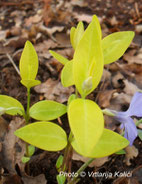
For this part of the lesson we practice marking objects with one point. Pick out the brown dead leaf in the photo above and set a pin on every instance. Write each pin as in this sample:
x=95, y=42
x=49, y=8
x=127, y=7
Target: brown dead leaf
x=33, y=19
x=83, y=17
x=53, y=90
x=12, y=147
x=113, y=21
x=131, y=153
x=117, y=80
x=62, y=38
x=14, y=31
x=118, y=99
x=130, y=88
x=54, y=29
x=11, y=179
x=2, y=35
x=133, y=56
x=106, y=75
x=3, y=127
x=78, y=3
x=34, y=180
x=98, y=162
x=105, y=97
x=16, y=42
x=42, y=48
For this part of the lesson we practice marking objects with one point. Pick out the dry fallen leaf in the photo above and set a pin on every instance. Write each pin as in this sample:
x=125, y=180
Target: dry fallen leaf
x=130, y=88
x=2, y=35
x=13, y=148
x=98, y=162
x=34, y=180
x=113, y=21
x=33, y=19
x=53, y=90
x=118, y=99
x=3, y=127
x=11, y=179
x=133, y=56
x=117, y=80
x=42, y=48
x=83, y=17
x=131, y=153
x=105, y=97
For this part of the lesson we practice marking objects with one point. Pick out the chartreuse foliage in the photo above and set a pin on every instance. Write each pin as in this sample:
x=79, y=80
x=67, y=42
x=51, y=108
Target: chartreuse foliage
x=59, y=57
x=113, y=47
x=115, y=44
x=37, y=133
x=109, y=143
x=47, y=110
x=88, y=135
x=29, y=66
x=10, y=105
x=67, y=74
x=76, y=34
x=45, y=135
x=83, y=124
x=88, y=60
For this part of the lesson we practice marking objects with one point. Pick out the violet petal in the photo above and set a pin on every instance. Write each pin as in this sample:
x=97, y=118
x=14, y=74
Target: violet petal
x=135, y=108
x=129, y=126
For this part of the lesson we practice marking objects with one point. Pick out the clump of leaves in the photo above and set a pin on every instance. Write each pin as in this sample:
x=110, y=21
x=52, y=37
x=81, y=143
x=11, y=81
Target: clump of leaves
x=88, y=136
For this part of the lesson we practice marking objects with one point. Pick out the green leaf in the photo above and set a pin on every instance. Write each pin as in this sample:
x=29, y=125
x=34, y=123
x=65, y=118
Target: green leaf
x=71, y=98
x=115, y=44
x=11, y=105
x=140, y=134
x=67, y=74
x=109, y=143
x=25, y=159
x=76, y=34
x=47, y=110
x=31, y=150
x=59, y=162
x=72, y=32
x=88, y=59
x=44, y=135
x=95, y=18
x=86, y=122
x=30, y=83
x=59, y=57
x=121, y=152
x=28, y=62
x=61, y=179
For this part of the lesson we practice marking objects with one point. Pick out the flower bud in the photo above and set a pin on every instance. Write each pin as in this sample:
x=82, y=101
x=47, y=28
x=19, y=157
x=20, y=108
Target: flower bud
x=87, y=84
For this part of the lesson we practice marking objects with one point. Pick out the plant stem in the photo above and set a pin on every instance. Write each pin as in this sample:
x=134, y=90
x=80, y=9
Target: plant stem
x=67, y=153
x=107, y=112
x=27, y=117
x=28, y=105
x=82, y=168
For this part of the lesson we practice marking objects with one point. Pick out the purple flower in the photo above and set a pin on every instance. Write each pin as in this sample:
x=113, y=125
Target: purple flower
x=135, y=109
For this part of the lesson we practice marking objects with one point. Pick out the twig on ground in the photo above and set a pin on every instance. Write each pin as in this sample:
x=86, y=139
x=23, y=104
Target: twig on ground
x=14, y=65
